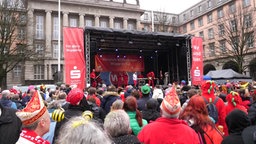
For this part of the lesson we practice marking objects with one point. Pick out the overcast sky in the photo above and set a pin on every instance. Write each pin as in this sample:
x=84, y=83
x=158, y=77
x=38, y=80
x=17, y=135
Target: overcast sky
x=172, y=6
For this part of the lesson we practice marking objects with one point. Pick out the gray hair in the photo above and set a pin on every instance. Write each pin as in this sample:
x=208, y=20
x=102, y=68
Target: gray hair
x=118, y=104
x=80, y=131
x=6, y=94
x=117, y=123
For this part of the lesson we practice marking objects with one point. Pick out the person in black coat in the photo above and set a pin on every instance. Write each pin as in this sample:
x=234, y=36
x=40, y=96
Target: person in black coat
x=236, y=121
x=151, y=113
x=109, y=97
x=252, y=109
x=10, y=126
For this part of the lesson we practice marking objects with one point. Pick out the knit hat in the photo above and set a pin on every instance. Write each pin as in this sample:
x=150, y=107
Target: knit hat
x=208, y=88
x=171, y=103
x=75, y=96
x=33, y=111
x=145, y=89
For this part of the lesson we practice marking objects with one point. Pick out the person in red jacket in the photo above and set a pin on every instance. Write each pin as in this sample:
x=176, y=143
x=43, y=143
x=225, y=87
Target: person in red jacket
x=168, y=128
x=93, y=78
x=234, y=101
x=92, y=94
x=151, y=77
x=207, y=89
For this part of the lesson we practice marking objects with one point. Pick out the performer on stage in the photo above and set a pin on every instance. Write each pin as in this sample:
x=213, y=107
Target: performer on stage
x=93, y=78
x=151, y=77
x=135, y=78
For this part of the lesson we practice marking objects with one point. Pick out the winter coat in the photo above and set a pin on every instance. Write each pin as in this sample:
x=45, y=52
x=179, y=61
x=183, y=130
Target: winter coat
x=212, y=135
x=134, y=124
x=252, y=113
x=142, y=103
x=108, y=99
x=126, y=139
x=167, y=130
x=248, y=135
x=150, y=115
x=8, y=103
x=237, y=121
x=10, y=126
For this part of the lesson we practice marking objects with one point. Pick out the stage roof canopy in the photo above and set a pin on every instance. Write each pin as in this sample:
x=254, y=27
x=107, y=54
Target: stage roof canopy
x=130, y=41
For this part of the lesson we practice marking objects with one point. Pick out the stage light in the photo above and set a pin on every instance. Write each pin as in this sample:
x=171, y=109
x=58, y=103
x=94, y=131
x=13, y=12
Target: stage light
x=99, y=49
x=130, y=42
x=177, y=44
x=140, y=56
x=100, y=55
x=140, y=50
x=151, y=57
x=156, y=51
x=102, y=40
x=159, y=44
x=116, y=49
x=124, y=56
x=117, y=56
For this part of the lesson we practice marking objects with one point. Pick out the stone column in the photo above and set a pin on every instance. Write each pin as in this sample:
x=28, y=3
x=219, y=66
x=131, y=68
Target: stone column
x=65, y=19
x=138, y=24
x=81, y=20
x=111, y=22
x=30, y=28
x=125, y=23
x=48, y=30
x=97, y=20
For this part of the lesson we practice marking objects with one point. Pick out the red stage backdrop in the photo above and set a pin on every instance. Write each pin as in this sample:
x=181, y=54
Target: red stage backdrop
x=74, y=56
x=197, y=60
x=119, y=63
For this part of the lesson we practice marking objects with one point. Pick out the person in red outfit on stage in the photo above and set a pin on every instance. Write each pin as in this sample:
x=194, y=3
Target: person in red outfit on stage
x=93, y=78
x=151, y=77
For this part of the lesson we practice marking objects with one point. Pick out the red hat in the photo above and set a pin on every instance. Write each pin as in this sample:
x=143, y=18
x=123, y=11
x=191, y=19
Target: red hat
x=75, y=96
x=171, y=103
x=208, y=87
x=234, y=98
x=14, y=91
x=33, y=111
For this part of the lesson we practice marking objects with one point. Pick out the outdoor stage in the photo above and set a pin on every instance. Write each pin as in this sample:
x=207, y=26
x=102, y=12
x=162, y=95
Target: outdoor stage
x=110, y=51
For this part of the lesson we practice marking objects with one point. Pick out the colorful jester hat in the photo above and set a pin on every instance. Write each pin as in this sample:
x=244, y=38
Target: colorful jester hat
x=234, y=98
x=208, y=88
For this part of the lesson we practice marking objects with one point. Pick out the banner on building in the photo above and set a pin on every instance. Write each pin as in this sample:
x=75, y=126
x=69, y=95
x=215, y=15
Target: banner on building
x=197, y=60
x=73, y=43
x=119, y=63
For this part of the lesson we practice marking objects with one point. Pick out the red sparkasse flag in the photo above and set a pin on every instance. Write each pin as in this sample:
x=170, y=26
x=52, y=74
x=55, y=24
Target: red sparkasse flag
x=73, y=42
x=197, y=61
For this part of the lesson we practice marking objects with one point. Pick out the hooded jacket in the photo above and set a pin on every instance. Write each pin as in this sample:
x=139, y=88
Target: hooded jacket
x=108, y=98
x=237, y=121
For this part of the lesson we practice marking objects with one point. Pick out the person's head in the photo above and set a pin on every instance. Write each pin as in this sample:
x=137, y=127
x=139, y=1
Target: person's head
x=62, y=95
x=191, y=93
x=117, y=123
x=207, y=88
x=75, y=96
x=35, y=115
x=197, y=111
x=81, y=131
x=111, y=88
x=92, y=91
x=6, y=94
x=170, y=106
x=233, y=98
x=145, y=90
x=118, y=104
x=136, y=94
x=152, y=104
x=236, y=121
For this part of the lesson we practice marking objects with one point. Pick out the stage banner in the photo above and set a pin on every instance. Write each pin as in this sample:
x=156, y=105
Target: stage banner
x=73, y=43
x=197, y=61
x=119, y=63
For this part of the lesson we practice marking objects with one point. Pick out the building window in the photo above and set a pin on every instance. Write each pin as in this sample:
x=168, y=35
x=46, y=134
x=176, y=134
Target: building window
x=200, y=21
x=212, y=49
x=221, y=29
x=39, y=27
x=173, y=19
x=223, y=46
x=131, y=26
x=209, y=4
x=23, y=19
x=55, y=50
x=210, y=33
x=88, y=22
x=146, y=16
x=246, y=3
x=38, y=72
x=21, y=33
x=192, y=13
x=209, y=18
x=233, y=26
x=248, y=21
x=104, y=23
x=192, y=25
x=250, y=40
x=17, y=71
x=117, y=25
x=73, y=22
x=145, y=28
x=39, y=49
x=220, y=13
x=201, y=34
x=184, y=17
x=55, y=31
x=155, y=17
x=232, y=7
x=184, y=28
x=199, y=9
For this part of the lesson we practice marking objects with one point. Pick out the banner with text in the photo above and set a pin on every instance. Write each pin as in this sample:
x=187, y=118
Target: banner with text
x=73, y=43
x=197, y=60
x=119, y=63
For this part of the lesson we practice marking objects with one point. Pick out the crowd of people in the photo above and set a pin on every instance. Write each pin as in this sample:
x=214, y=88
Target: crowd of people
x=178, y=113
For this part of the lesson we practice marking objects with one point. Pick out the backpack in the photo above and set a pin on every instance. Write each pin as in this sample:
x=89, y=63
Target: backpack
x=212, y=109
